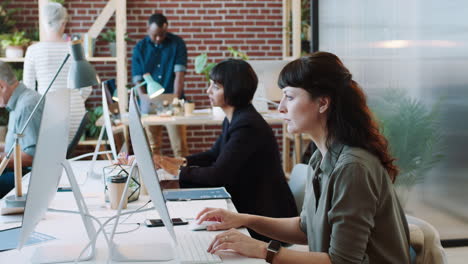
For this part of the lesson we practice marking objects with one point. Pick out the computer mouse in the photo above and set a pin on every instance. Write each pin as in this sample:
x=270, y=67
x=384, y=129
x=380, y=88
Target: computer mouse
x=202, y=226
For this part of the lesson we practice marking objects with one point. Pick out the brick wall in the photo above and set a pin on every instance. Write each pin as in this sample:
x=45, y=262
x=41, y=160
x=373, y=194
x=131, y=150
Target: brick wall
x=210, y=26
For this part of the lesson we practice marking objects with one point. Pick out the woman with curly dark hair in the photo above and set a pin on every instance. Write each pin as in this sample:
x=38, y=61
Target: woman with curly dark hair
x=351, y=213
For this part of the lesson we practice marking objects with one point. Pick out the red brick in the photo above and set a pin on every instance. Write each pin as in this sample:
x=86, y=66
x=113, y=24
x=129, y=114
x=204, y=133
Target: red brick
x=191, y=29
x=81, y=6
x=210, y=17
x=235, y=17
x=202, y=24
x=190, y=5
x=255, y=5
x=245, y=35
x=212, y=30
x=219, y=6
x=223, y=23
x=224, y=36
x=190, y=18
x=245, y=23
x=211, y=42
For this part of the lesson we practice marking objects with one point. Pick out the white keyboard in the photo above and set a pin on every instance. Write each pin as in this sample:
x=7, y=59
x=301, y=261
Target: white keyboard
x=193, y=245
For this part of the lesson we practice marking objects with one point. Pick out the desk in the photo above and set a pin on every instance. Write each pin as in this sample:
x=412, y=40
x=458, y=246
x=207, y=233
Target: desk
x=272, y=118
x=68, y=229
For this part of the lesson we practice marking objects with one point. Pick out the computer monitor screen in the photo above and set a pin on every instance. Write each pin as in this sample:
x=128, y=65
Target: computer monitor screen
x=267, y=72
x=146, y=166
x=107, y=121
x=51, y=149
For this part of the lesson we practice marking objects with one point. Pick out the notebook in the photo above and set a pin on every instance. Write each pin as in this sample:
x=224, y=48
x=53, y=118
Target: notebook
x=196, y=194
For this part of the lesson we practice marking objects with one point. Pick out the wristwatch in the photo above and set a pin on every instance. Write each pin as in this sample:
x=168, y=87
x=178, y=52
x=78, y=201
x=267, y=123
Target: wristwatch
x=273, y=248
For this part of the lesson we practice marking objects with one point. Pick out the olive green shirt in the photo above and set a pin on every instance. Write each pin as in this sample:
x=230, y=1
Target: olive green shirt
x=358, y=218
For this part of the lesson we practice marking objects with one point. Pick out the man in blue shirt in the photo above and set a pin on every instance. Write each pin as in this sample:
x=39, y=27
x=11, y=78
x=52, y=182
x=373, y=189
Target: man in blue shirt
x=20, y=102
x=164, y=56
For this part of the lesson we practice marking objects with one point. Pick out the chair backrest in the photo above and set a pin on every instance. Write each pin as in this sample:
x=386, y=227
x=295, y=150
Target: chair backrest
x=297, y=183
x=77, y=136
x=425, y=240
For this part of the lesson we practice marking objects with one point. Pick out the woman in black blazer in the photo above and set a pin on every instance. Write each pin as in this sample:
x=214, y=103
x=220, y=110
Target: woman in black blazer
x=245, y=158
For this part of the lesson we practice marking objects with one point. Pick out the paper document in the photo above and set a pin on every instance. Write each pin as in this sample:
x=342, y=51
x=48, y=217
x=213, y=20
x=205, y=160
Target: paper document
x=6, y=219
x=9, y=238
x=163, y=175
x=190, y=209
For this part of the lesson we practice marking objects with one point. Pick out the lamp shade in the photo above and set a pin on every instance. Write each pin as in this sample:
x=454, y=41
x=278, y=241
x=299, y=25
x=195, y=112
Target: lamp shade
x=153, y=88
x=81, y=73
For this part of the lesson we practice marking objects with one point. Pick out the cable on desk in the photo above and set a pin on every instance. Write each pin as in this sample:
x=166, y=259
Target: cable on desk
x=95, y=236
x=101, y=229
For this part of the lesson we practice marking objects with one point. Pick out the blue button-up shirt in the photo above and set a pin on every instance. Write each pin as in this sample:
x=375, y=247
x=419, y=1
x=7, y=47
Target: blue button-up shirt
x=20, y=106
x=161, y=61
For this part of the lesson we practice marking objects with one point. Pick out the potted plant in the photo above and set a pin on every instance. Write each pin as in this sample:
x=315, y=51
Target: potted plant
x=413, y=134
x=109, y=36
x=92, y=131
x=7, y=24
x=203, y=66
x=14, y=44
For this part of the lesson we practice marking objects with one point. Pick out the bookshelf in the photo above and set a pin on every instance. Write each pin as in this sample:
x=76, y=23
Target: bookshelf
x=96, y=59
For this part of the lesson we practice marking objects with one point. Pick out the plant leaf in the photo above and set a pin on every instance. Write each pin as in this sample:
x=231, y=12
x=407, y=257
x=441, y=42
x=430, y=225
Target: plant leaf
x=200, y=62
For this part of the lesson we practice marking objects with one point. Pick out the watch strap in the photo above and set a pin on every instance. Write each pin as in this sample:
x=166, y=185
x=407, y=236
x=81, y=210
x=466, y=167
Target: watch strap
x=272, y=249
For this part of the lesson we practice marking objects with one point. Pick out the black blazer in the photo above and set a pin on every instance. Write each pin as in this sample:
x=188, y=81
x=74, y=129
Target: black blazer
x=245, y=159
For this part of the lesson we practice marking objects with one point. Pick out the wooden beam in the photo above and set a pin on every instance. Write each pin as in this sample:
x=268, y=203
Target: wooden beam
x=296, y=28
x=41, y=3
x=121, y=29
x=102, y=19
x=286, y=17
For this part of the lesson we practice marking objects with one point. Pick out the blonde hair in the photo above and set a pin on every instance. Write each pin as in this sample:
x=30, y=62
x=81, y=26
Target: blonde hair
x=54, y=15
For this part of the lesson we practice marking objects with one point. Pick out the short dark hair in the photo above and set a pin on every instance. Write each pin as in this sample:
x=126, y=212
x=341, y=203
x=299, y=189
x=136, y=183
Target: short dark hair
x=238, y=79
x=157, y=18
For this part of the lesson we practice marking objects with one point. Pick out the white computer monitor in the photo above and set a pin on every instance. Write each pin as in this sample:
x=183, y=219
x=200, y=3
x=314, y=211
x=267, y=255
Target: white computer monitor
x=156, y=251
x=107, y=121
x=267, y=72
x=48, y=163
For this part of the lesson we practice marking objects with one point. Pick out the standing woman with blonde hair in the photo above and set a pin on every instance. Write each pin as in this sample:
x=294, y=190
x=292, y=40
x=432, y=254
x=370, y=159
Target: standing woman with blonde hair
x=44, y=58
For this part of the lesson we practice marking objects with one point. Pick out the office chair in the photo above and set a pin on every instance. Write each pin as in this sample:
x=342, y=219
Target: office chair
x=297, y=182
x=77, y=136
x=425, y=240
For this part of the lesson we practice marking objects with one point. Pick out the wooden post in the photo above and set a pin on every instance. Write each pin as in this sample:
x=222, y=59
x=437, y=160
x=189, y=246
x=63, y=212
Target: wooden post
x=286, y=33
x=121, y=29
x=18, y=170
x=296, y=28
x=41, y=3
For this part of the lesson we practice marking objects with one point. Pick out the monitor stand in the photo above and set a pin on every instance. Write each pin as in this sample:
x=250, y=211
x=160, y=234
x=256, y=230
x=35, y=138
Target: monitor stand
x=141, y=252
x=68, y=253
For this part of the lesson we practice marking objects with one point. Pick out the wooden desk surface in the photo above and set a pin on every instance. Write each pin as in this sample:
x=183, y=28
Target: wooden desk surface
x=272, y=118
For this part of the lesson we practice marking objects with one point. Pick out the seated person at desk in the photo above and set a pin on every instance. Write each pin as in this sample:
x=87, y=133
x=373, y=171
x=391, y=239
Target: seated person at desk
x=20, y=102
x=245, y=158
x=351, y=213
